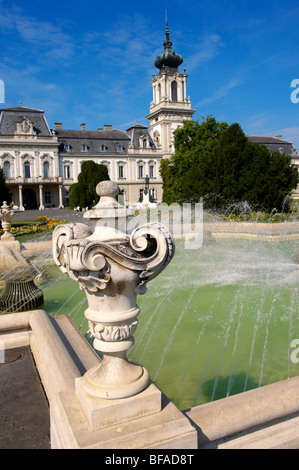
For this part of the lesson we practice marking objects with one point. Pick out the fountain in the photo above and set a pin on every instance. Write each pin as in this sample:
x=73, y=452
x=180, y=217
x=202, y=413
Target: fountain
x=20, y=292
x=219, y=320
x=146, y=203
x=225, y=313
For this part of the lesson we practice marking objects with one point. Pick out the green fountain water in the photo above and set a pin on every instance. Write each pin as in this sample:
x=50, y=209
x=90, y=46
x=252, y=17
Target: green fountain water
x=218, y=321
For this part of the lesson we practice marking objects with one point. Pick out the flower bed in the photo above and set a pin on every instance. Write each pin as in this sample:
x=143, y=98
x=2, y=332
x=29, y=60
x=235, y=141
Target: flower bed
x=42, y=224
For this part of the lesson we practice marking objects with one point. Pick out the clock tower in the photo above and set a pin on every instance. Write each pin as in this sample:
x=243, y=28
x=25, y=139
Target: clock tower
x=170, y=105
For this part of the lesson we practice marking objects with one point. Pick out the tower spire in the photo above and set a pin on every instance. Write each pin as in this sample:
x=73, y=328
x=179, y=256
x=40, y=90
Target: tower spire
x=169, y=60
x=166, y=28
x=167, y=43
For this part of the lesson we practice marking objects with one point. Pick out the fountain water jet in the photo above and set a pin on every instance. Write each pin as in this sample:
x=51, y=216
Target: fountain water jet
x=20, y=292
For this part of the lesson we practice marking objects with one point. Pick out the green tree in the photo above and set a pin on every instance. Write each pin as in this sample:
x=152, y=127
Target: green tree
x=223, y=167
x=4, y=191
x=83, y=193
x=193, y=142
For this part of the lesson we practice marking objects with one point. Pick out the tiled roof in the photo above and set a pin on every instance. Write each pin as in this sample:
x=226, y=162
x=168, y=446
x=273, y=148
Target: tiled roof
x=266, y=140
x=114, y=134
x=9, y=116
x=22, y=109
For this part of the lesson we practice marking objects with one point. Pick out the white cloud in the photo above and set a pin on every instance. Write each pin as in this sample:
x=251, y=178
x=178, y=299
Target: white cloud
x=220, y=92
x=207, y=49
x=36, y=37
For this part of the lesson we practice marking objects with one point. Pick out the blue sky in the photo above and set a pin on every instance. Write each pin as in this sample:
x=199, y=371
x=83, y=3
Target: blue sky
x=92, y=61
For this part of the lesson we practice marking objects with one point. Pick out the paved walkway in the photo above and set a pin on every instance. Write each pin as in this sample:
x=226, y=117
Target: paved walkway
x=68, y=215
x=24, y=410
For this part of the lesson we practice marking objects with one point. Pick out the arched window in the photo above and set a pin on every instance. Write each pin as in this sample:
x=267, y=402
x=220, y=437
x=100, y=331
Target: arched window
x=174, y=91
x=27, y=169
x=6, y=168
x=159, y=92
x=46, y=170
x=144, y=143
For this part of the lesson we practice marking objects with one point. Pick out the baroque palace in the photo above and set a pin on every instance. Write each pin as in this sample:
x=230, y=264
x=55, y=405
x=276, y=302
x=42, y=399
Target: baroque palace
x=40, y=163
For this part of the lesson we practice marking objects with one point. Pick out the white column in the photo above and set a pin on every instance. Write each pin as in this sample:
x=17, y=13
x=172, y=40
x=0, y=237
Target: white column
x=185, y=89
x=61, y=206
x=17, y=154
x=21, y=207
x=180, y=90
x=165, y=87
x=41, y=205
x=38, y=165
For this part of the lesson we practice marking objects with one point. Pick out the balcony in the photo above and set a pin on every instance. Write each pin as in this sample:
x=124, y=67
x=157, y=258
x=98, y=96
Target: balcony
x=33, y=180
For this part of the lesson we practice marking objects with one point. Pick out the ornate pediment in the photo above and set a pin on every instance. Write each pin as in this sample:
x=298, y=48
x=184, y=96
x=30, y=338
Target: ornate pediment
x=25, y=127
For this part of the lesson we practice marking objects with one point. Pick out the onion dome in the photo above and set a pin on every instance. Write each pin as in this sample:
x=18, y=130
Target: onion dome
x=169, y=59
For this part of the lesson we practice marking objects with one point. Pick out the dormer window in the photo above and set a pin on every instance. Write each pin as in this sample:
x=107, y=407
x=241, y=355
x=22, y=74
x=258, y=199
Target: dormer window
x=67, y=147
x=84, y=148
x=103, y=148
x=120, y=148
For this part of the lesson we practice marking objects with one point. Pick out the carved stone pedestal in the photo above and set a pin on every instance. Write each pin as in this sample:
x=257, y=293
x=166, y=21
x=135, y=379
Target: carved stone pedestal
x=101, y=413
x=112, y=267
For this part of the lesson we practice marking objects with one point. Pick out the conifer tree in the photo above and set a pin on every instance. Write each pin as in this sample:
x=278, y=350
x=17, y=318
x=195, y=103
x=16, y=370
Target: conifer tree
x=218, y=163
x=4, y=191
x=83, y=193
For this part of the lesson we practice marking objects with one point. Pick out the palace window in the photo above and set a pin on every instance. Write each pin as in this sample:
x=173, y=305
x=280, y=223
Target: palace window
x=6, y=168
x=47, y=197
x=140, y=171
x=120, y=171
x=27, y=169
x=174, y=91
x=120, y=148
x=46, y=170
x=151, y=171
x=66, y=172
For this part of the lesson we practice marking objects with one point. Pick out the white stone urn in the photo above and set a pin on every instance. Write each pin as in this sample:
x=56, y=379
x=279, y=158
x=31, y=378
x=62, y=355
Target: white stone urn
x=6, y=216
x=112, y=267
